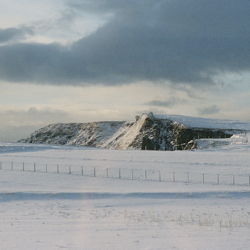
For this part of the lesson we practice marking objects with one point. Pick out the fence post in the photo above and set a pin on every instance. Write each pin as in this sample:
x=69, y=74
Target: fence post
x=82, y=170
x=119, y=173
x=11, y=166
x=132, y=174
x=218, y=179
x=173, y=176
x=145, y=175
x=203, y=178
x=69, y=169
x=23, y=166
x=94, y=173
x=46, y=168
x=107, y=173
x=34, y=167
x=233, y=179
x=1, y=166
x=187, y=177
x=159, y=175
x=57, y=169
x=249, y=181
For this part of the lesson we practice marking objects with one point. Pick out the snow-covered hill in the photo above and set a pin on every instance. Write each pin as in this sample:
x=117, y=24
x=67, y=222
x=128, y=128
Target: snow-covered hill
x=147, y=132
x=199, y=122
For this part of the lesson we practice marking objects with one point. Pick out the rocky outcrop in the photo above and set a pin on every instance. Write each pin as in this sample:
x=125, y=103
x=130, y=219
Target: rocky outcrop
x=146, y=133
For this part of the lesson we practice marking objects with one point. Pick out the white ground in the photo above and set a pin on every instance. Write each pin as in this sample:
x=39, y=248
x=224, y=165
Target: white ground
x=50, y=210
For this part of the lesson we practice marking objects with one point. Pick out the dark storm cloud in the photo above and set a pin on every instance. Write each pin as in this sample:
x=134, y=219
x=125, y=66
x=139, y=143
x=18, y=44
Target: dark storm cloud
x=214, y=109
x=168, y=103
x=181, y=41
x=13, y=34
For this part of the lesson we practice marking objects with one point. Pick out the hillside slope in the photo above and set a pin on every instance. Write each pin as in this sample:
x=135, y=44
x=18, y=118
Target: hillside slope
x=147, y=132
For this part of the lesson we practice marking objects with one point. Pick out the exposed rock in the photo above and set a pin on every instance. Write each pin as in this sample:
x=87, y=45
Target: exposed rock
x=147, y=132
x=190, y=145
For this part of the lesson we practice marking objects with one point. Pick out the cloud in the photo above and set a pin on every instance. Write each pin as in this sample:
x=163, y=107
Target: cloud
x=168, y=103
x=33, y=116
x=189, y=42
x=17, y=124
x=14, y=34
x=209, y=110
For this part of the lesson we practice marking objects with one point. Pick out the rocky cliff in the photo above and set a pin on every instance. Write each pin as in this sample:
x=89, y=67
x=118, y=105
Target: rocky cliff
x=147, y=132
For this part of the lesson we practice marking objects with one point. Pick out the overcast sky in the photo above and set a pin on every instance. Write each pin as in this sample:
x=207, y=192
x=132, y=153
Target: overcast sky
x=82, y=61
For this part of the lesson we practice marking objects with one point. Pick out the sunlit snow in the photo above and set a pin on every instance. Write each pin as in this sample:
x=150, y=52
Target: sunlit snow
x=68, y=197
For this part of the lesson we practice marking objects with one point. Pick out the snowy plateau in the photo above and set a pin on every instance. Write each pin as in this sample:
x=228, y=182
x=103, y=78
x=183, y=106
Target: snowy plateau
x=78, y=197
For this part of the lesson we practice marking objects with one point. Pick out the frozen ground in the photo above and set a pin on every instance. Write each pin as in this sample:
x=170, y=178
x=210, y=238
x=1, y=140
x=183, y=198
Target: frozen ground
x=171, y=209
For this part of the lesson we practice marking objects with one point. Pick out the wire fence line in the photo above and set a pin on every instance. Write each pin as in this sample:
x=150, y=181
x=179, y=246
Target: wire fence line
x=130, y=174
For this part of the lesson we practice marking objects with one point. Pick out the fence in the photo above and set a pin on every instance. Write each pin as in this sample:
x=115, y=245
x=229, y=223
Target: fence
x=130, y=174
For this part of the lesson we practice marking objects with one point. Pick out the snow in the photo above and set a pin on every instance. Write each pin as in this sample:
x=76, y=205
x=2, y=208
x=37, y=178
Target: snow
x=132, y=133
x=198, y=122
x=50, y=210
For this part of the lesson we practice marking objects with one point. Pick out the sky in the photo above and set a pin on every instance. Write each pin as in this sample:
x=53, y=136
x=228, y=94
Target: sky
x=84, y=61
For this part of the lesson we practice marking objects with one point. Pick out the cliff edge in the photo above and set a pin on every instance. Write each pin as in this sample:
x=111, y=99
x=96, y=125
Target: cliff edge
x=146, y=133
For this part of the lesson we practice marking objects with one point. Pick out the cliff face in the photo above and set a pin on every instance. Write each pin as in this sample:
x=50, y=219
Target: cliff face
x=147, y=132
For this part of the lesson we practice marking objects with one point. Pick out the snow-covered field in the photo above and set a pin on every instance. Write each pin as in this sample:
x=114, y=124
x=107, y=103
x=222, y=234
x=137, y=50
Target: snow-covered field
x=57, y=203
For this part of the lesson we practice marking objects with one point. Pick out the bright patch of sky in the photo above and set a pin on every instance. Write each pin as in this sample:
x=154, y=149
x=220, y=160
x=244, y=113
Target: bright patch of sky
x=52, y=21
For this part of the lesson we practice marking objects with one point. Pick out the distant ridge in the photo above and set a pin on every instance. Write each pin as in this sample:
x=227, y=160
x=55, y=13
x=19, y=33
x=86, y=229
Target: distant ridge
x=199, y=122
x=148, y=132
